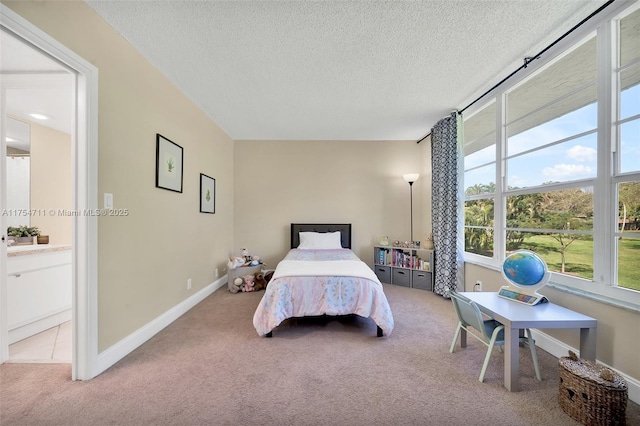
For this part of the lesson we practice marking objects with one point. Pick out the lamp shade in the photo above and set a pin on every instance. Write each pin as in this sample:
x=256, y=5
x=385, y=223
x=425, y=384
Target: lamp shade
x=411, y=177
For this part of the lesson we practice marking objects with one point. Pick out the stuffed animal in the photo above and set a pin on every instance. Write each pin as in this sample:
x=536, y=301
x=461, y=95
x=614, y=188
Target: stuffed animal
x=259, y=283
x=249, y=282
x=235, y=262
x=245, y=254
x=268, y=276
x=236, y=285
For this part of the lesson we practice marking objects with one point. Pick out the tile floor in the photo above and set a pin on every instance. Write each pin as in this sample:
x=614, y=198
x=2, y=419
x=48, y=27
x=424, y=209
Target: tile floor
x=50, y=346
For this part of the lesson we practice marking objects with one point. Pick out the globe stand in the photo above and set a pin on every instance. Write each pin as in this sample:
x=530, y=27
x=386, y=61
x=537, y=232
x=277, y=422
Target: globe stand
x=525, y=273
x=516, y=295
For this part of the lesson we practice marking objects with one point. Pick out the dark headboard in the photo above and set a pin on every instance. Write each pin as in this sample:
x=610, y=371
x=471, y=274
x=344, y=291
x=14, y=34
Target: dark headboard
x=344, y=228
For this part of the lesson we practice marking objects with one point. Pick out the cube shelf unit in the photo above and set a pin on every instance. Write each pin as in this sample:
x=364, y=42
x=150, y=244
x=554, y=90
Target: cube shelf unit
x=407, y=267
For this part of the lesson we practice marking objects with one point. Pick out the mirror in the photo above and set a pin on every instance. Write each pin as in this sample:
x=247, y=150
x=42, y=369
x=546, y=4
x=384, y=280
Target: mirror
x=18, y=138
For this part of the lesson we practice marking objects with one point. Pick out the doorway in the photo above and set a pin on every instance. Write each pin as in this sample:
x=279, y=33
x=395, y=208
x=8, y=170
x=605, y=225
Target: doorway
x=47, y=57
x=38, y=108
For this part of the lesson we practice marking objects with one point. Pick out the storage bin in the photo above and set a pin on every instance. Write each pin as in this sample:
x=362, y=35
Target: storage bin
x=401, y=277
x=422, y=280
x=242, y=271
x=590, y=393
x=383, y=273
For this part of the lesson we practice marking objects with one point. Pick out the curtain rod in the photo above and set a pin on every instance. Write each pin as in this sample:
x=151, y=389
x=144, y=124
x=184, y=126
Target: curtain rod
x=530, y=59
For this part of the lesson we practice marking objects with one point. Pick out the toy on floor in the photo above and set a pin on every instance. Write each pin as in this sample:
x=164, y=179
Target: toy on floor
x=249, y=283
x=236, y=285
x=260, y=283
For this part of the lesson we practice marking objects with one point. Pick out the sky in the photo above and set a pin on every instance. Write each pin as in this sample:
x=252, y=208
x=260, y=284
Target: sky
x=567, y=161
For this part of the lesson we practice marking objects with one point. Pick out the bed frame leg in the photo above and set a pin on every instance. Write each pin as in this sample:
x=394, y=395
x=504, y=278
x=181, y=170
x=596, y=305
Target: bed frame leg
x=379, y=331
x=269, y=334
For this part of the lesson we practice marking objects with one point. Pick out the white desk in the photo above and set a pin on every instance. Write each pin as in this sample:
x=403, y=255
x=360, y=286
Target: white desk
x=516, y=316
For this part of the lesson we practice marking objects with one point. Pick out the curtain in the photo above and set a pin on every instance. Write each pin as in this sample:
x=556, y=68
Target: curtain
x=447, y=208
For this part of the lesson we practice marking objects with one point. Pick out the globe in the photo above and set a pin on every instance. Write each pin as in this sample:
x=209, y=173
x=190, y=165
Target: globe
x=524, y=269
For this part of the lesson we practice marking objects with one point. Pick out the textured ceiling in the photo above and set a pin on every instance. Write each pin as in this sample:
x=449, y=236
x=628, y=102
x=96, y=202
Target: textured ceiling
x=337, y=70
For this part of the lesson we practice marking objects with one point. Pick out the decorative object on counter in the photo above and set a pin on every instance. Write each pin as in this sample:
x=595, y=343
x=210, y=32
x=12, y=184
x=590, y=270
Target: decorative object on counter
x=207, y=194
x=168, y=164
x=428, y=242
x=23, y=234
x=384, y=240
x=43, y=239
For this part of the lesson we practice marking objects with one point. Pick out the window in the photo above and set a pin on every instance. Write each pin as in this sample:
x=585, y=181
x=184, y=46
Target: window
x=627, y=161
x=552, y=164
x=479, y=178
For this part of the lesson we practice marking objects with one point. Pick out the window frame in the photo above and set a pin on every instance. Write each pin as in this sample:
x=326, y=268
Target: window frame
x=602, y=287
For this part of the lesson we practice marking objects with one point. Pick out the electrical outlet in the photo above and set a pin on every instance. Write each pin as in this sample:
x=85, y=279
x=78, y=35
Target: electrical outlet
x=478, y=286
x=216, y=273
x=189, y=284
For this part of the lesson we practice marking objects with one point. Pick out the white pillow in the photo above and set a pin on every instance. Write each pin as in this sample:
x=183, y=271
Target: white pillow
x=320, y=240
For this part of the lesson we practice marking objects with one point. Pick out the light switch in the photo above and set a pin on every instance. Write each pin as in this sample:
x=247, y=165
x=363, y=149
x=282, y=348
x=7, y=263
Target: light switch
x=108, y=201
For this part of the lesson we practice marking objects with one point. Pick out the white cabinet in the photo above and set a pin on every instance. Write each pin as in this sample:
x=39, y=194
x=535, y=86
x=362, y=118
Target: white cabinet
x=39, y=292
x=408, y=267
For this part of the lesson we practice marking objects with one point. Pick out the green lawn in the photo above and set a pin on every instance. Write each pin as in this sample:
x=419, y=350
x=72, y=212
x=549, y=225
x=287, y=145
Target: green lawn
x=579, y=258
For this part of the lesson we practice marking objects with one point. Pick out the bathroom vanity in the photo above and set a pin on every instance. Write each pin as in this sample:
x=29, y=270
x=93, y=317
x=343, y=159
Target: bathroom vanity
x=39, y=288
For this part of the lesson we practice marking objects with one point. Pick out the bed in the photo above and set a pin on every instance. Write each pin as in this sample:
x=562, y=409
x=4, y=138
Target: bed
x=321, y=276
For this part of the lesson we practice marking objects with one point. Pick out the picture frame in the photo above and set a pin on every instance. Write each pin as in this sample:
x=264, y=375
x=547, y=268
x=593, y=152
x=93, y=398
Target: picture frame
x=207, y=194
x=169, y=163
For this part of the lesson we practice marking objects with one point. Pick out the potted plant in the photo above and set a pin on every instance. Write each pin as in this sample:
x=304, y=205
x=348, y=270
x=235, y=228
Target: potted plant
x=23, y=234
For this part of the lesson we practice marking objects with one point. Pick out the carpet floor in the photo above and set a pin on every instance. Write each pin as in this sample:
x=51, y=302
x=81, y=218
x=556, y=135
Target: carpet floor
x=211, y=368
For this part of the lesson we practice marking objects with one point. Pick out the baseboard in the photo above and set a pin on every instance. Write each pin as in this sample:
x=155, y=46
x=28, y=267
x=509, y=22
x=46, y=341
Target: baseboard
x=559, y=349
x=115, y=353
x=46, y=322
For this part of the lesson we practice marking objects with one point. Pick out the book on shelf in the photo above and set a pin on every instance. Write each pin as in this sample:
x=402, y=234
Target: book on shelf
x=382, y=256
x=401, y=257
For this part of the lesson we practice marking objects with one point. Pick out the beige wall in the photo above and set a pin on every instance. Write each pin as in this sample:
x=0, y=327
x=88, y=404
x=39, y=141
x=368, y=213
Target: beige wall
x=144, y=259
x=50, y=182
x=358, y=182
x=618, y=333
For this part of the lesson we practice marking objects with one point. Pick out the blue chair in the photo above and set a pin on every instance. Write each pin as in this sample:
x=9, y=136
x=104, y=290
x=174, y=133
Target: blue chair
x=488, y=331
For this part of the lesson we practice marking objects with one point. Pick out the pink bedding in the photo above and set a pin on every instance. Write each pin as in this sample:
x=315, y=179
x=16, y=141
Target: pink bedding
x=318, y=282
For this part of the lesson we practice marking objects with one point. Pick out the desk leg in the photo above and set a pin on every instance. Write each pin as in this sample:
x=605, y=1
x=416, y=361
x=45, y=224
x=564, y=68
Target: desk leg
x=588, y=343
x=511, y=359
x=463, y=338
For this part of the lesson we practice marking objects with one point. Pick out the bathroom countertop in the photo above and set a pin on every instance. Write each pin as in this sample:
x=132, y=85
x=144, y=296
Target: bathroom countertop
x=24, y=250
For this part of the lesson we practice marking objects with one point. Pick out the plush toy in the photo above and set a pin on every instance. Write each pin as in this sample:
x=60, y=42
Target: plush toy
x=259, y=282
x=249, y=282
x=236, y=285
x=235, y=262
x=245, y=255
x=268, y=276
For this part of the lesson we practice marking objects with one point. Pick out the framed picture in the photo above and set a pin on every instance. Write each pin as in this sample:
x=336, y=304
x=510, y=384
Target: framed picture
x=207, y=194
x=168, y=164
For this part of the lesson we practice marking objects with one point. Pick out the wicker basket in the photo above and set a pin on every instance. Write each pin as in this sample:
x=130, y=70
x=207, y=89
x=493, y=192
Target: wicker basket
x=590, y=393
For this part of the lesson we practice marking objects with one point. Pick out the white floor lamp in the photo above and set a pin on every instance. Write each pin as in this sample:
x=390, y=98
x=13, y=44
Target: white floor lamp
x=410, y=178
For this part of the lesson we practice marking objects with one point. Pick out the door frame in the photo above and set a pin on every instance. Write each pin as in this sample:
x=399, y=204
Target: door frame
x=84, y=144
